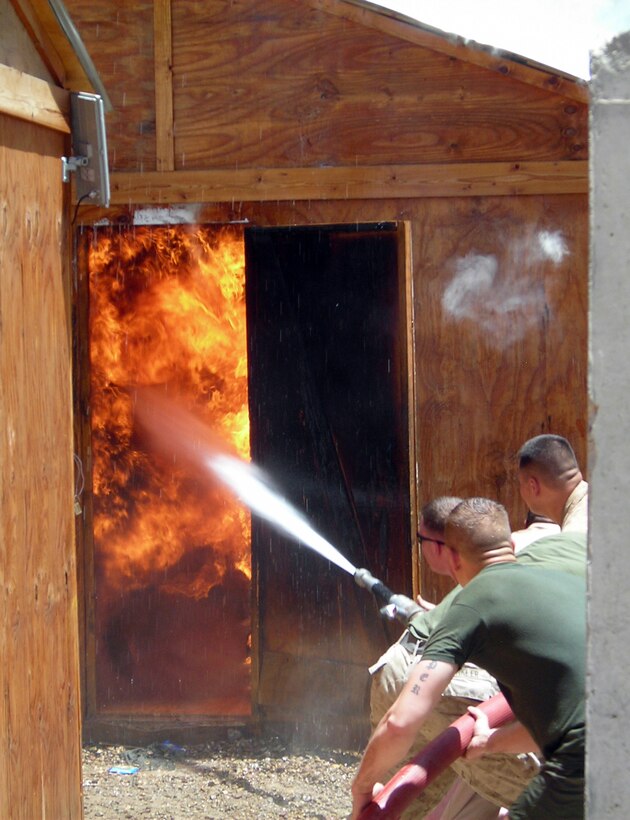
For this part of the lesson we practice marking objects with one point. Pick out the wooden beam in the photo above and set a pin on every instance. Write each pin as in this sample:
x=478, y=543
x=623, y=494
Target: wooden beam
x=506, y=64
x=367, y=182
x=163, y=71
x=34, y=100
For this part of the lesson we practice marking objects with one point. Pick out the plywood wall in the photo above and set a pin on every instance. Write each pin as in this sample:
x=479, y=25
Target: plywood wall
x=285, y=83
x=500, y=329
x=338, y=93
x=306, y=111
x=39, y=717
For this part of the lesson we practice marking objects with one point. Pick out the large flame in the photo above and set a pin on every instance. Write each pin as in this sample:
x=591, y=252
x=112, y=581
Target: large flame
x=167, y=311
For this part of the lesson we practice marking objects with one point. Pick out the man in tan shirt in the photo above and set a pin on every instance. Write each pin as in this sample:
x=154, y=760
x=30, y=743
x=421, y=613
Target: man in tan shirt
x=551, y=482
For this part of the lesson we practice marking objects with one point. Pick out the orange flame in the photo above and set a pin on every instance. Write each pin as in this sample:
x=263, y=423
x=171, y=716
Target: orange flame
x=167, y=308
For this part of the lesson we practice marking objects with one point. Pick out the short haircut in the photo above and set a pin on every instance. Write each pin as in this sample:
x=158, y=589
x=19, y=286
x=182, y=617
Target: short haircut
x=435, y=513
x=550, y=456
x=483, y=525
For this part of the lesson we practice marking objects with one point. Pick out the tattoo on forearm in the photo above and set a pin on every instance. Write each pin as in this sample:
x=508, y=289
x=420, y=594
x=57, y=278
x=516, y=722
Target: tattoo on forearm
x=416, y=688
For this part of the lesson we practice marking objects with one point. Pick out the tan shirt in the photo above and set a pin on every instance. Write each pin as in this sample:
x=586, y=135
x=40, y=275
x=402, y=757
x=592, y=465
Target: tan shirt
x=575, y=516
x=539, y=529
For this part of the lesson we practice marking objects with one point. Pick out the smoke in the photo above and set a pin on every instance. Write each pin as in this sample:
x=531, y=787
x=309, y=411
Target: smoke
x=503, y=299
x=552, y=246
x=473, y=281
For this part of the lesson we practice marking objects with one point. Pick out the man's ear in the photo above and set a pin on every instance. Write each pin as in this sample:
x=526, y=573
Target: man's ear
x=534, y=485
x=454, y=561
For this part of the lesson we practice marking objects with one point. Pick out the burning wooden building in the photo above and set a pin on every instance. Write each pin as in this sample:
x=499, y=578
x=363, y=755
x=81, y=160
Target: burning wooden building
x=262, y=343
x=353, y=248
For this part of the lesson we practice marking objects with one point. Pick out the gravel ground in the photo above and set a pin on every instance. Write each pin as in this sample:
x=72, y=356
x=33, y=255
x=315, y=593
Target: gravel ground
x=239, y=778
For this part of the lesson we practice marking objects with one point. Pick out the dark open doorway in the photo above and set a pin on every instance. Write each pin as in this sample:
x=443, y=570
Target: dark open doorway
x=328, y=389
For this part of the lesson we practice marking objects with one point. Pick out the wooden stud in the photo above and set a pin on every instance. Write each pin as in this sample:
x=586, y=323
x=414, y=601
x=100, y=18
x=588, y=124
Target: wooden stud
x=163, y=60
x=405, y=264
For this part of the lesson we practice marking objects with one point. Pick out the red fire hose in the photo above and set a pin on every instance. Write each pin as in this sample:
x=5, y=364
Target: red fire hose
x=436, y=756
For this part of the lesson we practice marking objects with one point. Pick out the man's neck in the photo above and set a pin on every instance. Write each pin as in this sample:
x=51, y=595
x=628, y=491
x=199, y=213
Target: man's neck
x=470, y=571
x=561, y=500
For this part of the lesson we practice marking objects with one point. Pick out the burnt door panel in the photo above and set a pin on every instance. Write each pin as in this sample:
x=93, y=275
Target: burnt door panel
x=329, y=424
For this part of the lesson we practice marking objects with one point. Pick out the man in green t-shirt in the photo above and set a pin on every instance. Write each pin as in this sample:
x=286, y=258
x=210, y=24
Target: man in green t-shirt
x=495, y=780
x=526, y=626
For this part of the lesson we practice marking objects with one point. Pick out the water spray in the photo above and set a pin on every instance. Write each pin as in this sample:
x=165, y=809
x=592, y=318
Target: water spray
x=249, y=485
x=180, y=433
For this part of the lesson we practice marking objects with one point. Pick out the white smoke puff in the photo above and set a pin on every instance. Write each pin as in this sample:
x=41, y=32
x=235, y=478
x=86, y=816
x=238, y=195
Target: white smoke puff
x=533, y=248
x=503, y=303
x=552, y=246
x=473, y=279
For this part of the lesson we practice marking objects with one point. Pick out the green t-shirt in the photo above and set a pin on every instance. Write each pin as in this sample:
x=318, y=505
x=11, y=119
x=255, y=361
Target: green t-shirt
x=565, y=551
x=527, y=626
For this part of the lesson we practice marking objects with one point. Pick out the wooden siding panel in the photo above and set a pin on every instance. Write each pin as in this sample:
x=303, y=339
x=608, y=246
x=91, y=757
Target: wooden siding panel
x=292, y=86
x=566, y=362
x=486, y=382
x=500, y=301
x=284, y=84
x=517, y=66
x=16, y=47
x=119, y=38
x=39, y=725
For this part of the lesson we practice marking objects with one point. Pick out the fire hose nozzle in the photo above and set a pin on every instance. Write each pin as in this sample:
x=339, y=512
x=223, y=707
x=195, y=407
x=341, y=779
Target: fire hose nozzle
x=365, y=579
x=395, y=606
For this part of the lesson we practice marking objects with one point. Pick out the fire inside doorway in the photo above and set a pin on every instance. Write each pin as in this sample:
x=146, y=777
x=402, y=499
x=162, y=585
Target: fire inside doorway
x=291, y=345
x=171, y=552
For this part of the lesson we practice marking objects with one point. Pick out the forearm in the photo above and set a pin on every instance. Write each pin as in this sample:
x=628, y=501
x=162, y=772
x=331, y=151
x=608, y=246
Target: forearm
x=388, y=746
x=396, y=731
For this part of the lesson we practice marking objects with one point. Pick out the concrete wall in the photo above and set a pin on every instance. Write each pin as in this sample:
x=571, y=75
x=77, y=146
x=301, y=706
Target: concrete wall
x=608, y=744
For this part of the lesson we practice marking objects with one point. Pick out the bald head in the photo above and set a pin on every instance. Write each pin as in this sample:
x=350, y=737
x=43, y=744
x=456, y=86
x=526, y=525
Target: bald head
x=478, y=529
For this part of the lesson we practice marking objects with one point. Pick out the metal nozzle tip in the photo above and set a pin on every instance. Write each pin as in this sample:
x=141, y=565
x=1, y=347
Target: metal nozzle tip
x=364, y=578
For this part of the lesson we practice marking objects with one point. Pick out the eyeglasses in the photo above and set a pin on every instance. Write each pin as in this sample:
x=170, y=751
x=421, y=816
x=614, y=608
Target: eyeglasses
x=423, y=538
